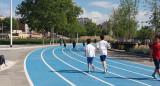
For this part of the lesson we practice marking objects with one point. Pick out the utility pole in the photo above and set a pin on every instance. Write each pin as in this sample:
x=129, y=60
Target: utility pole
x=2, y=29
x=77, y=37
x=11, y=26
x=53, y=35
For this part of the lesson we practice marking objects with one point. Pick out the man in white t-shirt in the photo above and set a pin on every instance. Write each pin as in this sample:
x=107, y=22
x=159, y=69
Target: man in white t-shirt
x=90, y=52
x=102, y=46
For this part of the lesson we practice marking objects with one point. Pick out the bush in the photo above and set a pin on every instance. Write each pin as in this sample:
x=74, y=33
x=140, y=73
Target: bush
x=23, y=41
x=141, y=50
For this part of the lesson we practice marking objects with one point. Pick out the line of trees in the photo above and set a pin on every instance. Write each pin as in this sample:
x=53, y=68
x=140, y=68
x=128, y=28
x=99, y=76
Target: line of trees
x=58, y=16
x=124, y=25
x=123, y=20
x=6, y=24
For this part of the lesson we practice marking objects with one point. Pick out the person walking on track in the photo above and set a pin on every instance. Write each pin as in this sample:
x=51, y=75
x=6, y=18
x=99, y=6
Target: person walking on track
x=64, y=44
x=83, y=43
x=155, y=55
x=90, y=52
x=74, y=44
x=102, y=46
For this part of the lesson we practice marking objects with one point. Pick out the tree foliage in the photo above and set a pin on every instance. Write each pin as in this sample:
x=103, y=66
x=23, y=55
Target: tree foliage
x=154, y=7
x=6, y=24
x=144, y=33
x=48, y=15
x=90, y=28
x=124, y=24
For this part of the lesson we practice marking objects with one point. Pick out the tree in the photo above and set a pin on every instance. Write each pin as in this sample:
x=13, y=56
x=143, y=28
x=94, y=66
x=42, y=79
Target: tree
x=123, y=20
x=50, y=15
x=90, y=28
x=6, y=24
x=144, y=33
x=154, y=7
x=105, y=32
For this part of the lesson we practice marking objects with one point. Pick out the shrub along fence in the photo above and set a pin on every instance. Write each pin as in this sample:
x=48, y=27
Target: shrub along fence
x=23, y=41
x=123, y=46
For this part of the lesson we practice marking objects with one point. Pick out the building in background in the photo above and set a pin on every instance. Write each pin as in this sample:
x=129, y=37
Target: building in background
x=21, y=26
x=2, y=17
x=104, y=25
x=84, y=20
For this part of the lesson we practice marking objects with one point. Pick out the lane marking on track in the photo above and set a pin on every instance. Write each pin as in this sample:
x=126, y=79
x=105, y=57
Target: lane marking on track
x=114, y=66
x=25, y=69
x=79, y=69
x=54, y=70
x=125, y=64
x=109, y=72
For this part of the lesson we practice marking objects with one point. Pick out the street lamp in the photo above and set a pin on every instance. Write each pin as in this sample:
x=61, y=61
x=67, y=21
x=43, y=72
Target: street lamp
x=2, y=29
x=11, y=26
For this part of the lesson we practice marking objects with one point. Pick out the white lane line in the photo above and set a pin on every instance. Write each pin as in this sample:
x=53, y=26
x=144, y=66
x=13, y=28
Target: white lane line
x=111, y=72
x=25, y=69
x=54, y=70
x=114, y=66
x=126, y=64
x=79, y=69
x=137, y=63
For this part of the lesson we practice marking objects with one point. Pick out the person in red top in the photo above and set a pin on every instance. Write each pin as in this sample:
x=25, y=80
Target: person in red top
x=155, y=55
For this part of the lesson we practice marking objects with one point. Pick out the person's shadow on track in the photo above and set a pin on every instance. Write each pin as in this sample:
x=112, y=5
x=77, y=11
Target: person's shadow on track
x=151, y=79
x=73, y=71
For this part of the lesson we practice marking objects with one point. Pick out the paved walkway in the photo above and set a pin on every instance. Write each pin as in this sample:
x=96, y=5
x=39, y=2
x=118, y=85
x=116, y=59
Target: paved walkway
x=15, y=76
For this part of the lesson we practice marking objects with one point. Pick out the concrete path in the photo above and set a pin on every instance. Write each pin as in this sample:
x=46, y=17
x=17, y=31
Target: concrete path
x=15, y=76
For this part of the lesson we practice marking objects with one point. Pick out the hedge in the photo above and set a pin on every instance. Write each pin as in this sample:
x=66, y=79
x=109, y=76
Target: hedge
x=23, y=41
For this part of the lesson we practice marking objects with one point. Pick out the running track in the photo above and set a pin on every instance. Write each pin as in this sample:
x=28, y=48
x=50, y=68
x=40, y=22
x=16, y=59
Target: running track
x=56, y=66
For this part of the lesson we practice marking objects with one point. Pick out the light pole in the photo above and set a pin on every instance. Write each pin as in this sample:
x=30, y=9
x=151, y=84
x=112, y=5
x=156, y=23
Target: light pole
x=2, y=29
x=11, y=26
x=77, y=37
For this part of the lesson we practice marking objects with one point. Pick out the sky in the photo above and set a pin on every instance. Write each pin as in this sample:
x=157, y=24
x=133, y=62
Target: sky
x=97, y=10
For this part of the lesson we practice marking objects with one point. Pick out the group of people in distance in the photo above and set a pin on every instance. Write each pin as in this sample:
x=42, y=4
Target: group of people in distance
x=64, y=42
x=103, y=45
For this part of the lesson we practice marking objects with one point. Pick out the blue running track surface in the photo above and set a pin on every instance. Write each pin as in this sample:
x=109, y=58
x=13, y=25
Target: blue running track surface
x=56, y=66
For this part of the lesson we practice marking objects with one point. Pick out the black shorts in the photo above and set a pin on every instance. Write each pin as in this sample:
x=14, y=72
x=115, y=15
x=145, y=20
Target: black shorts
x=103, y=58
x=157, y=63
x=89, y=60
x=74, y=46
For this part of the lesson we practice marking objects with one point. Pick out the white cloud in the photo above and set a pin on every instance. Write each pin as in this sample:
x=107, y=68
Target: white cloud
x=97, y=17
x=5, y=10
x=104, y=4
x=143, y=18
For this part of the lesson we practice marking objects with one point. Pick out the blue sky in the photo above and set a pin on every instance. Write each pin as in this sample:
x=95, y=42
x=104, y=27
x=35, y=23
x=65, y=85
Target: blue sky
x=98, y=10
